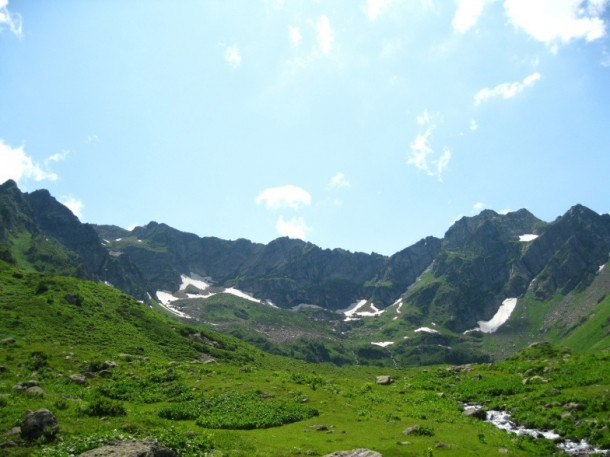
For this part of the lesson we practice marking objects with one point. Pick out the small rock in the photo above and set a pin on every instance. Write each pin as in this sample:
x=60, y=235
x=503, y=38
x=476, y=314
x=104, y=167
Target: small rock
x=503, y=450
x=441, y=394
x=109, y=364
x=573, y=406
x=441, y=445
x=405, y=443
x=35, y=391
x=477, y=377
x=8, y=443
x=27, y=384
x=78, y=379
x=361, y=452
x=143, y=448
x=8, y=341
x=15, y=431
x=319, y=427
x=41, y=423
x=383, y=380
x=105, y=373
x=410, y=430
x=479, y=413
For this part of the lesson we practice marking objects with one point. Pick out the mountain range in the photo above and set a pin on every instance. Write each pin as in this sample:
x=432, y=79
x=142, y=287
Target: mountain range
x=493, y=284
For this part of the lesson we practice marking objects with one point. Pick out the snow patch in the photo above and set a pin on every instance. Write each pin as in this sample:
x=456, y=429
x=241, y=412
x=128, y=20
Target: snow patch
x=426, y=330
x=527, y=237
x=601, y=267
x=165, y=300
x=382, y=344
x=303, y=306
x=119, y=239
x=193, y=280
x=239, y=293
x=506, y=309
x=353, y=313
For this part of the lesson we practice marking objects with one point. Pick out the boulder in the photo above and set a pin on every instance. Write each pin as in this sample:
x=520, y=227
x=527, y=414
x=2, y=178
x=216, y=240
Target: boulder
x=35, y=391
x=41, y=423
x=131, y=448
x=361, y=452
x=383, y=380
x=478, y=413
x=78, y=379
x=109, y=364
x=8, y=341
x=412, y=429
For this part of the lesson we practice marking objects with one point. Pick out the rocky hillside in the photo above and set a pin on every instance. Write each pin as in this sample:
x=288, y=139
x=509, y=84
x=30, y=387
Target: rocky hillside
x=486, y=271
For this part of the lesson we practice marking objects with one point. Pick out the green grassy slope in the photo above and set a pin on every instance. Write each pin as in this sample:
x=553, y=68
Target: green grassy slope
x=164, y=385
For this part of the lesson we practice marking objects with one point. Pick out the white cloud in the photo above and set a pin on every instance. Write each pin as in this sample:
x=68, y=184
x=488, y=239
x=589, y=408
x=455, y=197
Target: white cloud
x=15, y=164
x=338, y=182
x=473, y=125
x=421, y=154
x=294, y=228
x=74, y=204
x=478, y=207
x=324, y=34
x=295, y=35
x=505, y=90
x=373, y=8
x=558, y=21
x=13, y=21
x=232, y=56
x=93, y=139
x=57, y=157
x=467, y=14
x=284, y=197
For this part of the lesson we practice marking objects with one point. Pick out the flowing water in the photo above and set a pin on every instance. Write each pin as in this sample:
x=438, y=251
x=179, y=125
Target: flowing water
x=501, y=419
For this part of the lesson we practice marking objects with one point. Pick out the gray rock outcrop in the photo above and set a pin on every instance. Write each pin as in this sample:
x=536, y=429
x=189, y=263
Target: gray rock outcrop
x=131, y=448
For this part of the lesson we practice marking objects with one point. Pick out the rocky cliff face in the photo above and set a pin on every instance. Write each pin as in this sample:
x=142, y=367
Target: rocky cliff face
x=51, y=235
x=480, y=262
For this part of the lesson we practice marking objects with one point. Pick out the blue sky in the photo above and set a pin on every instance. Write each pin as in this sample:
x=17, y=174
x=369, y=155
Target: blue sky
x=361, y=124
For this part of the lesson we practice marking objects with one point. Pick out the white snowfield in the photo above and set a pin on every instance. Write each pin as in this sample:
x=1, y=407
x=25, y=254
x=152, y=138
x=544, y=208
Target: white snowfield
x=383, y=344
x=166, y=298
x=527, y=237
x=506, y=309
x=353, y=314
x=426, y=330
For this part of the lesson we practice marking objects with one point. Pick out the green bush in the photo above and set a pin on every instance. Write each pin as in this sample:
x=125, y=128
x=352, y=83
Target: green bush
x=104, y=407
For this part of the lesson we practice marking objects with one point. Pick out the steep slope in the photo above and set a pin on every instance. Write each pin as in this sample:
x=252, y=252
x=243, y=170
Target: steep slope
x=286, y=272
x=42, y=234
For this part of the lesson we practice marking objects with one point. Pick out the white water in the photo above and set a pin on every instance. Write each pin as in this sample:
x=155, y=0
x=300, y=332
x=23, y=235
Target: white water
x=501, y=419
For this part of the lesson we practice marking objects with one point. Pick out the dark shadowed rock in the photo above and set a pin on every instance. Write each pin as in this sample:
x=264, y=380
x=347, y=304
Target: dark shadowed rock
x=133, y=448
x=355, y=453
x=41, y=423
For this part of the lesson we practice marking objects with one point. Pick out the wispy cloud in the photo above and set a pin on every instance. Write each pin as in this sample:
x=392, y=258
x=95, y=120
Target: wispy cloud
x=93, y=139
x=16, y=164
x=284, y=197
x=57, y=157
x=373, y=8
x=339, y=181
x=324, y=34
x=232, y=56
x=11, y=20
x=467, y=14
x=295, y=36
x=473, y=125
x=74, y=204
x=558, y=21
x=421, y=155
x=293, y=228
x=505, y=90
